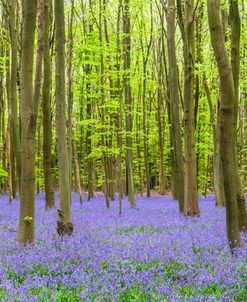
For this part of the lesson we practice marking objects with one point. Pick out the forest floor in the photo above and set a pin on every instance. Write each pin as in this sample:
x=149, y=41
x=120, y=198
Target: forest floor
x=148, y=254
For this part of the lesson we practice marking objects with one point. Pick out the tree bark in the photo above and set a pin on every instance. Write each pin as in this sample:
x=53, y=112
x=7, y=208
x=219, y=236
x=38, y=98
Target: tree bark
x=47, y=119
x=77, y=171
x=160, y=107
x=217, y=164
x=28, y=125
x=235, y=64
x=174, y=105
x=64, y=225
x=191, y=207
x=226, y=120
x=128, y=101
x=15, y=135
x=69, y=90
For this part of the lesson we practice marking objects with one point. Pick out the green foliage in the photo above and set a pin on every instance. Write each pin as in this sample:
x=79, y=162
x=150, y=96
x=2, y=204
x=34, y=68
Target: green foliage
x=3, y=176
x=98, y=93
x=3, y=292
x=171, y=270
x=14, y=277
x=28, y=219
x=135, y=294
x=138, y=229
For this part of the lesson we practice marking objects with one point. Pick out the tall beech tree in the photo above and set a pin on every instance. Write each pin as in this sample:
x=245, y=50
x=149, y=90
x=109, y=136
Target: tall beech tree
x=128, y=100
x=3, y=103
x=146, y=49
x=160, y=114
x=235, y=23
x=120, y=115
x=14, y=124
x=217, y=164
x=30, y=91
x=69, y=86
x=178, y=166
x=10, y=152
x=227, y=121
x=105, y=158
x=89, y=144
x=64, y=225
x=46, y=109
x=186, y=23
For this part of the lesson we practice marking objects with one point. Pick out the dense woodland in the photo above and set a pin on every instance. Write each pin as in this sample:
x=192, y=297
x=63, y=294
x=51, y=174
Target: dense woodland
x=126, y=97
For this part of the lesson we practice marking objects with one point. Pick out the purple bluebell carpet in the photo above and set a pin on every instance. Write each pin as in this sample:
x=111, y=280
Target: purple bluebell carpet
x=148, y=254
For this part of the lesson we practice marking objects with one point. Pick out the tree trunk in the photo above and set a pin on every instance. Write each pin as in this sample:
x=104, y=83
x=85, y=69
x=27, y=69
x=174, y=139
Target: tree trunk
x=90, y=165
x=69, y=90
x=110, y=159
x=218, y=169
x=77, y=171
x=174, y=105
x=162, y=182
x=64, y=225
x=160, y=114
x=190, y=179
x=217, y=164
x=15, y=136
x=235, y=64
x=227, y=122
x=47, y=119
x=120, y=115
x=128, y=101
x=28, y=125
x=38, y=162
x=3, y=108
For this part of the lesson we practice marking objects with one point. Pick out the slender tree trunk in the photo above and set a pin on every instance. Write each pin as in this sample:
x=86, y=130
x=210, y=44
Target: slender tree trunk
x=2, y=115
x=77, y=171
x=28, y=125
x=47, y=119
x=69, y=91
x=120, y=115
x=165, y=83
x=64, y=225
x=162, y=182
x=217, y=164
x=144, y=116
x=90, y=160
x=15, y=136
x=110, y=159
x=38, y=162
x=128, y=101
x=119, y=159
x=138, y=143
x=145, y=134
x=104, y=136
x=190, y=201
x=146, y=50
x=218, y=169
x=190, y=181
x=90, y=165
x=160, y=115
x=245, y=144
x=11, y=157
x=226, y=120
x=235, y=64
x=174, y=100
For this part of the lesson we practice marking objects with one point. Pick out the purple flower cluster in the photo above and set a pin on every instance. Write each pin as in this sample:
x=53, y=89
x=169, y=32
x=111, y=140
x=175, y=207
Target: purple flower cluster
x=151, y=253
